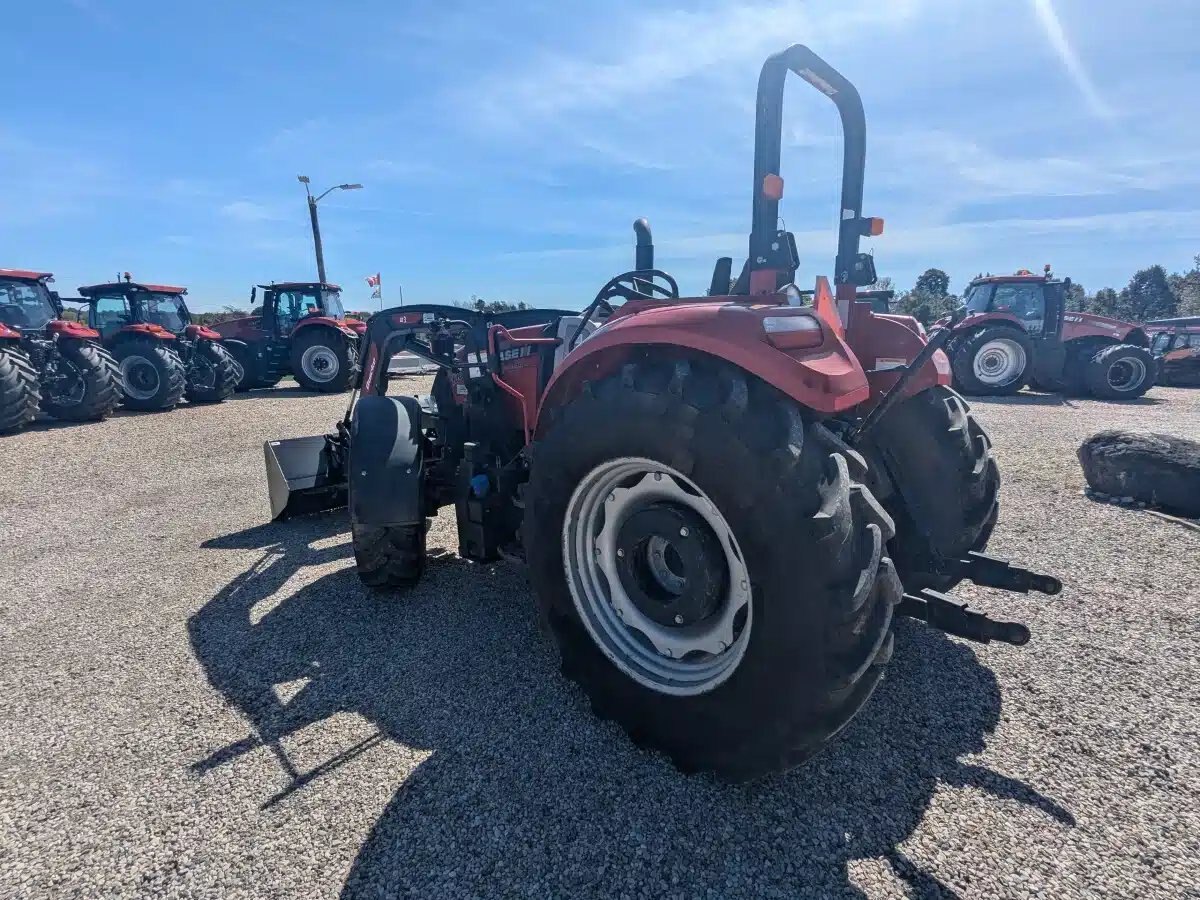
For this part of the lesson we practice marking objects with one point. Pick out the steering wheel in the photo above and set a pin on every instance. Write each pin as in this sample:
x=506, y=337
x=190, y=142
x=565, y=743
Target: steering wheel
x=639, y=284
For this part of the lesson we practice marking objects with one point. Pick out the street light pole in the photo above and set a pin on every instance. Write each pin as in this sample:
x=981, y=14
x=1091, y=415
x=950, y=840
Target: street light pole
x=316, y=226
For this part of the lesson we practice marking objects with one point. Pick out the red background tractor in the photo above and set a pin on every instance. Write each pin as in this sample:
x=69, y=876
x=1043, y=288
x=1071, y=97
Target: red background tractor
x=302, y=330
x=163, y=355
x=46, y=362
x=1176, y=345
x=720, y=499
x=1017, y=331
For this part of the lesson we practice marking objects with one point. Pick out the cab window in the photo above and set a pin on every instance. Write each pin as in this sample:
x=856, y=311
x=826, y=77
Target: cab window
x=109, y=314
x=1161, y=342
x=1026, y=301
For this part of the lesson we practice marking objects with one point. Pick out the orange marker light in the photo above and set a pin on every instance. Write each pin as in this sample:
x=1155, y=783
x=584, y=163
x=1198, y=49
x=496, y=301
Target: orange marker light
x=772, y=187
x=875, y=226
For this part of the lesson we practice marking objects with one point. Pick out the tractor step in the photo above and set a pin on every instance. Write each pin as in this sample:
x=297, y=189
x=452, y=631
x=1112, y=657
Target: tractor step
x=953, y=617
x=988, y=571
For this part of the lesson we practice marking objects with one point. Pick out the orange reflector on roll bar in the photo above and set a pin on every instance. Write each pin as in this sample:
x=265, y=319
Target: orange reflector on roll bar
x=772, y=186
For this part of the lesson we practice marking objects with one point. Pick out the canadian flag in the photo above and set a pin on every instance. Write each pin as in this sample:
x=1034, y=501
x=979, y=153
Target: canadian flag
x=373, y=280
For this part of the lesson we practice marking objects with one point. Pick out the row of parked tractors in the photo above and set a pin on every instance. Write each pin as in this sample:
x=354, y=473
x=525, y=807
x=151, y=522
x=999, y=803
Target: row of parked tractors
x=136, y=345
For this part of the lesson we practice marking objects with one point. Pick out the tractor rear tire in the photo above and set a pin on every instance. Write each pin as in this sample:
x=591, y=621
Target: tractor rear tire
x=101, y=383
x=1120, y=372
x=224, y=368
x=323, y=360
x=974, y=354
x=941, y=472
x=19, y=390
x=391, y=557
x=152, y=374
x=816, y=603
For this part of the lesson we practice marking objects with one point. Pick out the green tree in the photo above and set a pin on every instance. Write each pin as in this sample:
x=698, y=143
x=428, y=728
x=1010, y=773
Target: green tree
x=933, y=283
x=1186, y=288
x=1077, y=299
x=1147, y=296
x=1104, y=302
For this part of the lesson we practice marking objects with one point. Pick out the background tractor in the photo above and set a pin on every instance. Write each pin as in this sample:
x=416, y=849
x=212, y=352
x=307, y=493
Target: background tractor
x=46, y=362
x=302, y=330
x=721, y=500
x=1176, y=347
x=1017, y=331
x=163, y=355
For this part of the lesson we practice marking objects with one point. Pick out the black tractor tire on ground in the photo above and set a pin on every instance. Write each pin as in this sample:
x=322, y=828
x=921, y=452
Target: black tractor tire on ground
x=20, y=391
x=389, y=557
x=1120, y=372
x=242, y=352
x=327, y=348
x=965, y=350
x=939, y=470
x=141, y=358
x=812, y=538
x=225, y=370
x=101, y=377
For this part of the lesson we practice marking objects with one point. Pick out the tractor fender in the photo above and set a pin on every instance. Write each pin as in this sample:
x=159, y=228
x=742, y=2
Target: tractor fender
x=9, y=334
x=200, y=332
x=385, y=463
x=825, y=377
x=65, y=329
x=324, y=322
x=975, y=321
x=884, y=344
x=143, y=329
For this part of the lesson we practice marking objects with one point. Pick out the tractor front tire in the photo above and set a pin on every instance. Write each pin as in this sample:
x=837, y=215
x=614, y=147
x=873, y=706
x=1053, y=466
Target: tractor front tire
x=19, y=390
x=992, y=361
x=942, y=485
x=786, y=544
x=389, y=557
x=96, y=393
x=323, y=360
x=1120, y=372
x=224, y=370
x=152, y=374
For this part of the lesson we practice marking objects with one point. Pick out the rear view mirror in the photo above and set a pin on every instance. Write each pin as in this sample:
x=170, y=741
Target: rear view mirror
x=253, y=295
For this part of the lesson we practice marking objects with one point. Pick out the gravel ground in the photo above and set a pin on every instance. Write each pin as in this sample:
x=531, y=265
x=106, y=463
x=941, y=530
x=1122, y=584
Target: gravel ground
x=197, y=704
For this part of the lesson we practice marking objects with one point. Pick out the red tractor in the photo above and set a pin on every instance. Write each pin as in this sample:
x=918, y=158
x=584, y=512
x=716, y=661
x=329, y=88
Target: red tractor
x=303, y=331
x=163, y=355
x=1017, y=331
x=47, y=363
x=721, y=500
x=1176, y=346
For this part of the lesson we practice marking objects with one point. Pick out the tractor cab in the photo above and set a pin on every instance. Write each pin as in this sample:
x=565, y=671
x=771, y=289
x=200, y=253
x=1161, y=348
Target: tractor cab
x=26, y=303
x=1035, y=301
x=286, y=304
x=1175, y=344
x=115, y=306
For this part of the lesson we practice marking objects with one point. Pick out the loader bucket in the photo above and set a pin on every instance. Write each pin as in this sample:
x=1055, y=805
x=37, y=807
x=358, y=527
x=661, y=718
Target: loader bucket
x=303, y=477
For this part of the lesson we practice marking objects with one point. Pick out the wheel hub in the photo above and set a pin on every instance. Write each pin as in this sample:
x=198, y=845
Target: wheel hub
x=320, y=363
x=140, y=377
x=672, y=610
x=671, y=564
x=1126, y=374
x=999, y=362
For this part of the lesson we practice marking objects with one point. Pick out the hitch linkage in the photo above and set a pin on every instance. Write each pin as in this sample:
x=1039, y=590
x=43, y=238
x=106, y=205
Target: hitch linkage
x=989, y=571
x=952, y=616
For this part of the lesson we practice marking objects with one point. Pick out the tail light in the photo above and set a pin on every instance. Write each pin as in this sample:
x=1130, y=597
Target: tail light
x=793, y=332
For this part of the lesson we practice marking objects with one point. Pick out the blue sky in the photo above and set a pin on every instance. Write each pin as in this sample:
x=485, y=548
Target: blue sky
x=506, y=148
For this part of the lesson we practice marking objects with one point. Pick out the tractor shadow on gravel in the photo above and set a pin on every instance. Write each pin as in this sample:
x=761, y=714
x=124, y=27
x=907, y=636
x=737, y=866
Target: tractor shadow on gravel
x=525, y=792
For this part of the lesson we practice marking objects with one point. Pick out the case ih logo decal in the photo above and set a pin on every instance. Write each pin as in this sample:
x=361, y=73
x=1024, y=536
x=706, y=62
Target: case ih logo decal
x=515, y=353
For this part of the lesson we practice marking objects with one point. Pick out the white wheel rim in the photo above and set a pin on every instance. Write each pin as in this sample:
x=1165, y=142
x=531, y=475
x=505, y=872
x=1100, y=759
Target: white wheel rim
x=686, y=660
x=140, y=377
x=1126, y=374
x=320, y=364
x=999, y=362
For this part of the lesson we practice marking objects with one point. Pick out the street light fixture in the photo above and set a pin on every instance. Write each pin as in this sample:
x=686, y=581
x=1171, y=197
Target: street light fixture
x=312, y=215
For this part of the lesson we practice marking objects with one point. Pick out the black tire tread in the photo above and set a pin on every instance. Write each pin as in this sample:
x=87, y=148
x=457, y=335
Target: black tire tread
x=20, y=390
x=102, y=377
x=936, y=454
x=1095, y=372
x=226, y=378
x=797, y=505
x=962, y=357
x=170, y=367
x=389, y=557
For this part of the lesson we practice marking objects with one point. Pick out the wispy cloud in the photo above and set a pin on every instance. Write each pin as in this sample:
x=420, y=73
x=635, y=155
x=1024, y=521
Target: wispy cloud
x=249, y=211
x=1052, y=26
